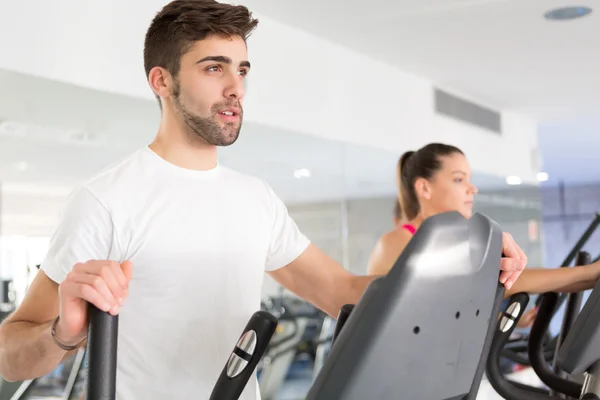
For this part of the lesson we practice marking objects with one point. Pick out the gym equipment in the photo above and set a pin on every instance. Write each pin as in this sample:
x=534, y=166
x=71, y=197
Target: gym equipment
x=245, y=356
x=574, y=301
x=345, y=312
x=579, y=353
x=102, y=352
x=385, y=347
x=323, y=347
x=516, y=350
x=295, y=318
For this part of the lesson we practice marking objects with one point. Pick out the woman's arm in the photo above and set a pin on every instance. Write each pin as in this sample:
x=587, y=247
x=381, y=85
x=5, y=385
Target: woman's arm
x=562, y=280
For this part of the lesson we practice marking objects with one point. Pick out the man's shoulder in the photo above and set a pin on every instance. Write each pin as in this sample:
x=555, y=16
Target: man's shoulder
x=245, y=181
x=117, y=175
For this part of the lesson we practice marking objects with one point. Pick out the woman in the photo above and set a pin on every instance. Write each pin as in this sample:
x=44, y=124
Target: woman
x=436, y=179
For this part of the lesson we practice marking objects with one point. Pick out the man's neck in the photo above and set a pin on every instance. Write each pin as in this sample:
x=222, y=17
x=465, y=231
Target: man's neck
x=180, y=148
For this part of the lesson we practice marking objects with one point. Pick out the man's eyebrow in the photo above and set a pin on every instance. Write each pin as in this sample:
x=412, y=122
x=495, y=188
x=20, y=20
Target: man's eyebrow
x=224, y=60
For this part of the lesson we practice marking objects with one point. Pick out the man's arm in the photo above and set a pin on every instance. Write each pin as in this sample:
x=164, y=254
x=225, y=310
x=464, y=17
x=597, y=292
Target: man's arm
x=321, y=281
x=28, y=350
x=85, y=232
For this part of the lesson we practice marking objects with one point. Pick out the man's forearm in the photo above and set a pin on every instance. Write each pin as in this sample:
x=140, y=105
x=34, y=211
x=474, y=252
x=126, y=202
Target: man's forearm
x=27, y=351
x=356, y=288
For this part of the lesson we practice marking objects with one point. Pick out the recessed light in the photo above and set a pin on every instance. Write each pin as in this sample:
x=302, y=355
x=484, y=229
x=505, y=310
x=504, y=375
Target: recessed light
x=302, y=173
x=513, y=180
x=567, y=13
x=542, y=176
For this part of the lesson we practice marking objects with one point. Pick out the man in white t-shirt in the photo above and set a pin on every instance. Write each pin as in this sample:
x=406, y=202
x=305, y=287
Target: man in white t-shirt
x=174, y=243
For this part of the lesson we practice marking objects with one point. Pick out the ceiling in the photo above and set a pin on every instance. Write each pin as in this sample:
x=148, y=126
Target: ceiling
x=502, y=53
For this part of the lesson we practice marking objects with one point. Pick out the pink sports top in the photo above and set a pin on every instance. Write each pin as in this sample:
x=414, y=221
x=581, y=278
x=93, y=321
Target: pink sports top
x=409, y=228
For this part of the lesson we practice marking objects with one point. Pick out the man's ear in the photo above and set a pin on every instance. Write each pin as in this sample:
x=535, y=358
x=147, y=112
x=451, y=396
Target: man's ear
x=161, y=82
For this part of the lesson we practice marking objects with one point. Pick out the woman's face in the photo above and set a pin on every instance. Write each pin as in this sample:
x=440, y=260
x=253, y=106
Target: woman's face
x=450, y=189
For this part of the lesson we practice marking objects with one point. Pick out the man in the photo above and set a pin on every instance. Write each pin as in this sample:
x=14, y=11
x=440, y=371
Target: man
x=170, y=240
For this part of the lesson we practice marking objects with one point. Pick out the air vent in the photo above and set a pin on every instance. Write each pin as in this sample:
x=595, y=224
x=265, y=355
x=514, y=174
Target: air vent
x=466, y=111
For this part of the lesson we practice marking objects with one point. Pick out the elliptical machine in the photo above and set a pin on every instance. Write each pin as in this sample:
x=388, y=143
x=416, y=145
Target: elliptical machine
x=577, y=352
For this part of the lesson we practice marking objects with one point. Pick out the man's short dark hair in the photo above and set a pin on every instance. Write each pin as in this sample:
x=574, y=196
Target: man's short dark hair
x=181, y=23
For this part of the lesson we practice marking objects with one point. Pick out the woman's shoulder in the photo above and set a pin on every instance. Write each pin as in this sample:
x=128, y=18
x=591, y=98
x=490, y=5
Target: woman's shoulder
x=387, y=250
x=394, y=238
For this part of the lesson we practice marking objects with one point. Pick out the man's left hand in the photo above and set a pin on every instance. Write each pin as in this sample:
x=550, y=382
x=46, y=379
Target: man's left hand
x=513, y=261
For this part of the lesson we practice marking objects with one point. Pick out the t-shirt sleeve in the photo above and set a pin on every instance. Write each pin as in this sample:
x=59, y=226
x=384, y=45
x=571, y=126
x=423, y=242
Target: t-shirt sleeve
x=85, y=232
x=287, y=241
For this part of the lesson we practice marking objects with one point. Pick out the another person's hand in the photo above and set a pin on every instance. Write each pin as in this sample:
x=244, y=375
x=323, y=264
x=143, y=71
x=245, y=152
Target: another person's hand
x=101, y=283
x=527, y=318
x=513, y=261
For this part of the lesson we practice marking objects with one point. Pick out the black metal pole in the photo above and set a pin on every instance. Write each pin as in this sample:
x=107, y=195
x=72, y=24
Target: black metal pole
x=572, y=309
x=536, y=349
x=102, y=355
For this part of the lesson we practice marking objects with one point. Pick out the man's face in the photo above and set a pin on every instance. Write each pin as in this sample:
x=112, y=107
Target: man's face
x=209, y=89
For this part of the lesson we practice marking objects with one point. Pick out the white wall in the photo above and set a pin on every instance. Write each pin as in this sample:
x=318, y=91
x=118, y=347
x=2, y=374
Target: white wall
x=299, y=83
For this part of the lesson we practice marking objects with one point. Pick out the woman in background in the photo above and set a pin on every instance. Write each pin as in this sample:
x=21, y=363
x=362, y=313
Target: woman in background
x=436, y=179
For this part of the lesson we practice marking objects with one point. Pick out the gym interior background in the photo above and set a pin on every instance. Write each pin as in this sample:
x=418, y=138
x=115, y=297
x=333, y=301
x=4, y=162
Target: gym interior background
x=325, y=134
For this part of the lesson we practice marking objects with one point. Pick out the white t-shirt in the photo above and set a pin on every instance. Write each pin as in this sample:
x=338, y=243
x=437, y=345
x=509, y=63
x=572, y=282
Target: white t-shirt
x=200, y=242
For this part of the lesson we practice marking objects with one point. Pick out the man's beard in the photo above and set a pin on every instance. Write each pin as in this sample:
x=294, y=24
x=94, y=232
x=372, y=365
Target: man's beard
x=209, y=129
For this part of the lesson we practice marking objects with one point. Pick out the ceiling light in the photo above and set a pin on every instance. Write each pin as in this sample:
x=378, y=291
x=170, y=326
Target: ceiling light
x=567, y=13
x=302, y=173
x=513, y=180
x=542, y=176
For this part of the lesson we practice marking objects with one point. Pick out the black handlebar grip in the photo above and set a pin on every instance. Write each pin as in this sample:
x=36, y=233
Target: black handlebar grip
x=245, y=356
x=102, y=355
x=343, y=316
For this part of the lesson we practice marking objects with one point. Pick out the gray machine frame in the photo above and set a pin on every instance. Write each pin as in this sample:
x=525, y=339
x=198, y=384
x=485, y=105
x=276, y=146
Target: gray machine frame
x=421, y=331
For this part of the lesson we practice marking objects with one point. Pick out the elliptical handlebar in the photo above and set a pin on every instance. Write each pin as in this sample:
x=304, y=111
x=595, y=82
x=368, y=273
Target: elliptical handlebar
x=570, y=314
x=343, y=316
x=536, y=349
x=103, y=335
x=506, y=388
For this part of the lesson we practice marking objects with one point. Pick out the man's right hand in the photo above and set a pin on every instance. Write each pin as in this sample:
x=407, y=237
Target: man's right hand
x=102, y=283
